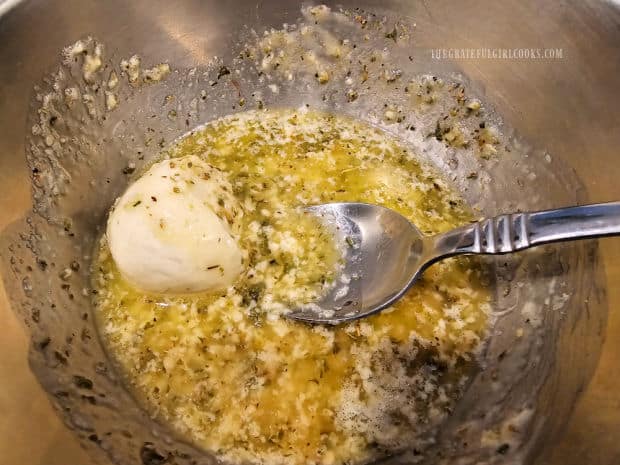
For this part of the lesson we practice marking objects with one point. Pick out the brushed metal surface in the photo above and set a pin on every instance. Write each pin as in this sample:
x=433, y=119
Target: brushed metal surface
x=568, y=106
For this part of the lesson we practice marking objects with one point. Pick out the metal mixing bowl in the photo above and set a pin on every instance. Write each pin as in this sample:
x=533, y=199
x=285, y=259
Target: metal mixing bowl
x=565, y=108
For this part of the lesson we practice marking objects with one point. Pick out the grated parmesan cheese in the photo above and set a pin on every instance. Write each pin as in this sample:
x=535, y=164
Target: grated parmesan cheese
x=230, y=373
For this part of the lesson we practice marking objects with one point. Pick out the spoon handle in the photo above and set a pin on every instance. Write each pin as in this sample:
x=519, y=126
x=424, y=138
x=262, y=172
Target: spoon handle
x=517, y=231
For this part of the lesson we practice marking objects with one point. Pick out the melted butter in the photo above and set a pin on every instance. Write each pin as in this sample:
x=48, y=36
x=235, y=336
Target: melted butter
x=241, y=381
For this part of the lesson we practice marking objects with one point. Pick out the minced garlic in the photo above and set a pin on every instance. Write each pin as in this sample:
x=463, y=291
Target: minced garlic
x=229, y=372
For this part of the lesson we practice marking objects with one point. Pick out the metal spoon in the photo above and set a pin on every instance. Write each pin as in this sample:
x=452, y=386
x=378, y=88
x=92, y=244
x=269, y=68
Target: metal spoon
x=386, y=253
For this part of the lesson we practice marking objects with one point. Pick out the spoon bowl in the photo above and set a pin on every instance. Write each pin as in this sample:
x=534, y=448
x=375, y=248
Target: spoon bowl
x=383, y=254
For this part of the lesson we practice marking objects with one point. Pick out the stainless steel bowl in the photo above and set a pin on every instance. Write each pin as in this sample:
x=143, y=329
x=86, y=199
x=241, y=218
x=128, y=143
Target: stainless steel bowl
x=566, y=109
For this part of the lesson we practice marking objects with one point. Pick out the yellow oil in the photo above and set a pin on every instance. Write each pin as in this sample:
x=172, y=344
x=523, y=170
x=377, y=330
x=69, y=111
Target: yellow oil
x=237, y=378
